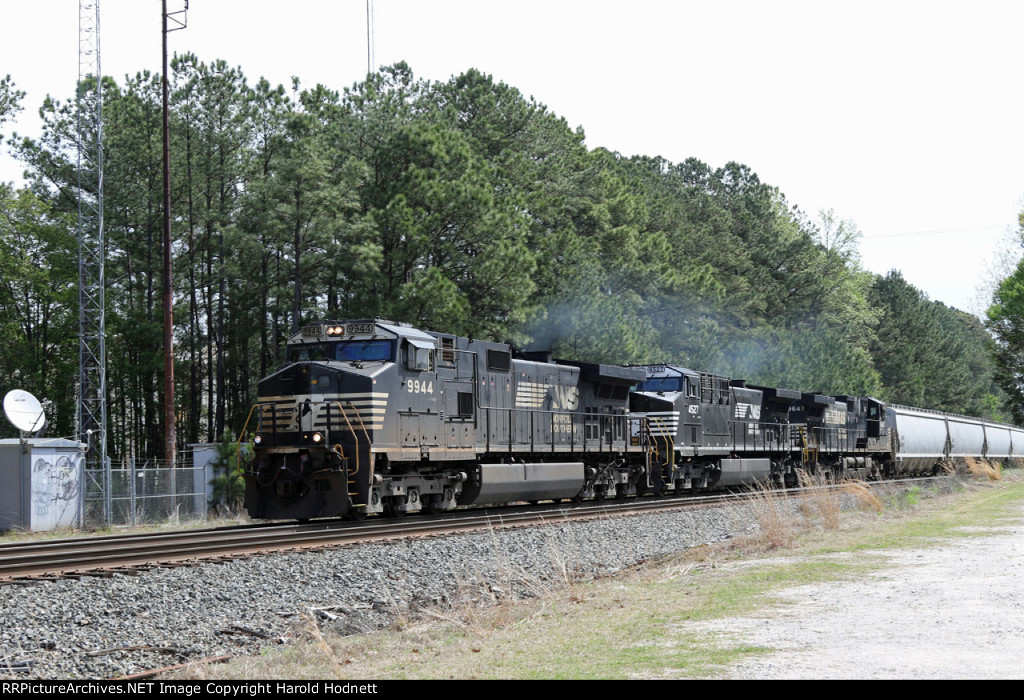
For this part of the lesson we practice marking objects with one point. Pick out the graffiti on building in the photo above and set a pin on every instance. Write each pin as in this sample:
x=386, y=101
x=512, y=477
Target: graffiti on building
x=55, y=490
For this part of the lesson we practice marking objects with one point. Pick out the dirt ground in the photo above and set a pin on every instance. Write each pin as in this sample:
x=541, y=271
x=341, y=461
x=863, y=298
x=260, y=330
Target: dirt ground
x=955, y=611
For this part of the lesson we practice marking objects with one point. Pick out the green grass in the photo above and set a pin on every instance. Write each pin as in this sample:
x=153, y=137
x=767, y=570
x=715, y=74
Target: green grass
x=644, y=623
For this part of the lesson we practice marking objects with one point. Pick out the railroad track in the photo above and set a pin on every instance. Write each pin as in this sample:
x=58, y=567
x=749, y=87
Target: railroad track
x=34, y=561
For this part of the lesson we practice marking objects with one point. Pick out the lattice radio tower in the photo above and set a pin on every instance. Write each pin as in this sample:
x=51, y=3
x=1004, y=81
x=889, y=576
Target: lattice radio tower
x=92, y=356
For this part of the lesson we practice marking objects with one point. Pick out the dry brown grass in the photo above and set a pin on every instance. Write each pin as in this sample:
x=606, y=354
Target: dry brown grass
x=825, y=499
x=819, y=500
x=982, y=467
x=863, y=495
x=774, y=514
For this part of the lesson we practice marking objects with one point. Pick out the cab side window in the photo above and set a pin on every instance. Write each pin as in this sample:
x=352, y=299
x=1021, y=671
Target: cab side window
x=419, y=357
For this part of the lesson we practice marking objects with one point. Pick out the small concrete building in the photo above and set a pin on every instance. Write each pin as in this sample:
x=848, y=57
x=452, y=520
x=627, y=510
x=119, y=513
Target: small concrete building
x=41, y=483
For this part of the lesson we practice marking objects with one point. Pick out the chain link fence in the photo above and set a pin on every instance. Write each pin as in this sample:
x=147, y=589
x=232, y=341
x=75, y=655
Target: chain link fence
x=140, y=492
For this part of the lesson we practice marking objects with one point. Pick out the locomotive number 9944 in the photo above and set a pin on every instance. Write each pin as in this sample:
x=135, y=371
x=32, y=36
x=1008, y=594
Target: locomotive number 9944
x=415, y=386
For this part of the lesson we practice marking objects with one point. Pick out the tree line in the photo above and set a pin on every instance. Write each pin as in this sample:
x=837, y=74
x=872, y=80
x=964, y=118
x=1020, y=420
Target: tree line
x=461, y=206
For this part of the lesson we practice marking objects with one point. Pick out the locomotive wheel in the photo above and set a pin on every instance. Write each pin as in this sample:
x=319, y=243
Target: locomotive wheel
x=433, y=504
x=391, y=506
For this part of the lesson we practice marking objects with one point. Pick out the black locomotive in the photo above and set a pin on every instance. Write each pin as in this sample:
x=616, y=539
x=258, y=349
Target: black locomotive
x=373, y=416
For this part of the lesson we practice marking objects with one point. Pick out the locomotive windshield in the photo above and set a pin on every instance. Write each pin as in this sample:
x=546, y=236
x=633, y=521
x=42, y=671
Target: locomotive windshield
x=344, y=351
x=364, y=350
x=662, y=384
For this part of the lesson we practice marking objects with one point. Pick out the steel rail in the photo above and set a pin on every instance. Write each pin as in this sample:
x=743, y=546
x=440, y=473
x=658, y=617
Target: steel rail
x=102, y=555
x=98, y=555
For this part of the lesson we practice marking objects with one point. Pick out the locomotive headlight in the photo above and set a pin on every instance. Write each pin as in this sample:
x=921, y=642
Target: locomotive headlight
x=317, y=438
x=335, y=330
x=258, y=439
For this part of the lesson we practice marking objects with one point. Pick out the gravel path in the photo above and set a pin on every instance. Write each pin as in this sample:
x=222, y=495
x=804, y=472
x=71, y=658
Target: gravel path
x=955, y=611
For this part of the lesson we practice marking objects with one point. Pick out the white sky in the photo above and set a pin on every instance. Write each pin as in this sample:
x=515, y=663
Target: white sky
x=901, y=116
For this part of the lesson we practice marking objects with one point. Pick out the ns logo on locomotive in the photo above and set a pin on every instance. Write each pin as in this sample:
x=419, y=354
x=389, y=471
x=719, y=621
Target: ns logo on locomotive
x=374, y=416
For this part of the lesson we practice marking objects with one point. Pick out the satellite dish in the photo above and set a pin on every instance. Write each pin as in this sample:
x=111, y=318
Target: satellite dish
x=24, y=411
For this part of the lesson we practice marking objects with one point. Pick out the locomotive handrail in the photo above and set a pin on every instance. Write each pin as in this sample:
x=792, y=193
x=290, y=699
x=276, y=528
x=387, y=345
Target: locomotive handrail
x=828, y=436
x=351, y=429
x=238, y=452
x=355, y=437
x=273, y=411
x=669, y=449
x=770, y=436
x=808, y=453
x=665, y=435
x=359, y=418
x=339, y=449
x=813, y=438
x=606, y=423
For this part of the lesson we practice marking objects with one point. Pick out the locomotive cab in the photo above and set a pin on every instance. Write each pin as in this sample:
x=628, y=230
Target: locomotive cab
x=669, y=398
x=320, y=418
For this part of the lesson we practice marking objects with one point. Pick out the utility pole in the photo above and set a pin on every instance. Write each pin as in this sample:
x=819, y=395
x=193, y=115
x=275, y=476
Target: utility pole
x=179, y=18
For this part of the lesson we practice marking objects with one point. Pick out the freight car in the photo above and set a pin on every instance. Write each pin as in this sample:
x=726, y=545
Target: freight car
x=373, y=416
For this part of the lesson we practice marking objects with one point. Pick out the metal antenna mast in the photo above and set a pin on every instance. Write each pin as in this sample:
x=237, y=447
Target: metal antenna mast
x=369, y=37
x=179, y=20
x=92, y=355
